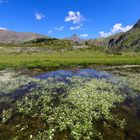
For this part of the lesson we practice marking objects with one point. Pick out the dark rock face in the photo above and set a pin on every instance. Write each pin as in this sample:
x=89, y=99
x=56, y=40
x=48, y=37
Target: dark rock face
x=129, y=40
x=120, y=39
x=111, y=43
x=136, y=42
x=116, y=44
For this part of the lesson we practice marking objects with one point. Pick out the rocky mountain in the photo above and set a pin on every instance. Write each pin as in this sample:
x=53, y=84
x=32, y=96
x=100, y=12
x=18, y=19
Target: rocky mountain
x=7, y=36
x=129, y=41
x=76, y=38
x=102, y=42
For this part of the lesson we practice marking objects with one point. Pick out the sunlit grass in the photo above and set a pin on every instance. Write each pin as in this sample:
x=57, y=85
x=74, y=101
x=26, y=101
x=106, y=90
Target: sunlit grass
x=66, y=59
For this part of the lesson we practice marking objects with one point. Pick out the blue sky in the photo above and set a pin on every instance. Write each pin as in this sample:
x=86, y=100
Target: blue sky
x=62, y=18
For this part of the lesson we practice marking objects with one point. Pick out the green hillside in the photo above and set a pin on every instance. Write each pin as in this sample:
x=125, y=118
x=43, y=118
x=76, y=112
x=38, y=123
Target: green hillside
x=126, y=42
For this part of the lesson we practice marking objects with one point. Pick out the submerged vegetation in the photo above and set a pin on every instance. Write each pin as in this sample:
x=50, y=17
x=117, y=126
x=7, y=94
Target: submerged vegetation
x=78, y=108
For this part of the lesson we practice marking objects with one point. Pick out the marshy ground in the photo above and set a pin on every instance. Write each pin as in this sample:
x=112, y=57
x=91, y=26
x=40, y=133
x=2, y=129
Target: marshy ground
x=70, y=104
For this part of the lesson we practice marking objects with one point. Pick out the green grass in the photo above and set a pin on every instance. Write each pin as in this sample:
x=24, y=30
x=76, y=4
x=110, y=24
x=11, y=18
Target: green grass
x=66, y=59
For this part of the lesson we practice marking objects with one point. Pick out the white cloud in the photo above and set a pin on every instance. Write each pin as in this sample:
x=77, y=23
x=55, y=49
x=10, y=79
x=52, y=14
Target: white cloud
x=103, y=34
x=84, y=35
x=76, y=27
x=56, y=29
x=50, y=32
x=118, y=27
x=39, y=16
x=3, y=28
x=75, y=17
x=59, y=28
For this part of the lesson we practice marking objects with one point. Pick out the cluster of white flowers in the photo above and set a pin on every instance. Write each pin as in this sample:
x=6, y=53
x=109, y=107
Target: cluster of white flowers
x=10, y=81
x=77, y=106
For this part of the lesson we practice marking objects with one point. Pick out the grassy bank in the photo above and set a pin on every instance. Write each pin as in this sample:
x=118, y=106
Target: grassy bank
x=65, y=59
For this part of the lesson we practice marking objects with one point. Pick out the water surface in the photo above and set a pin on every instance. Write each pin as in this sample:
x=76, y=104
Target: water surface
x=62, y=75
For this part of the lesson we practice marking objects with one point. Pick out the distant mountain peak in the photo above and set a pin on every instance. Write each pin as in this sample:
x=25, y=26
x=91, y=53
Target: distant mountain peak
x=76, y=38
x=12, y=36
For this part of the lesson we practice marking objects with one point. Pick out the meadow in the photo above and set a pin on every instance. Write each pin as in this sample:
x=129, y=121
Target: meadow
x=65, y=59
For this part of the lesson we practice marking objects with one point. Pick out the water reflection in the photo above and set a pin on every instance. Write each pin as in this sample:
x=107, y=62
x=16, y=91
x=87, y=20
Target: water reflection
x=66, y=74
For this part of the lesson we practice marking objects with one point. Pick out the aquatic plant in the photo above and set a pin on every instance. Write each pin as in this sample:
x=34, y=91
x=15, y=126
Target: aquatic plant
x=134, y=81
x=82, y=107
x=10, y=81
x=6, y=114
x=76, y=110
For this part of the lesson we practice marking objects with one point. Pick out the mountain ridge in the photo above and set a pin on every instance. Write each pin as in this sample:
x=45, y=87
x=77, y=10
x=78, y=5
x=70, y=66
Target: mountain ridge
x=7, y=36
x=128, y=41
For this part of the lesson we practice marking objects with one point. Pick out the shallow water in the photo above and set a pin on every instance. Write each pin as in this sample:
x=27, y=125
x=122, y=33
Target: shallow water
x=130, y=110
x=63, y=75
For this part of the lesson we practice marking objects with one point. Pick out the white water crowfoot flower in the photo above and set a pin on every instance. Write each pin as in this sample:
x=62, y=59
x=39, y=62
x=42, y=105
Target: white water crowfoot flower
x=10, y=81
x=83, y=105
x=6, y=114
x=77, y=107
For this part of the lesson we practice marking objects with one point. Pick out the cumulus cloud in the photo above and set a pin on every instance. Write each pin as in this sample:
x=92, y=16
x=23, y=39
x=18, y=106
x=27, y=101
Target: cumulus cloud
x=84, y=35
x=59, y=28
x=39, y=16
x=118, y=27
x=103, y=34
x=3, y=28
x=75, y=17
x=76, y=27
